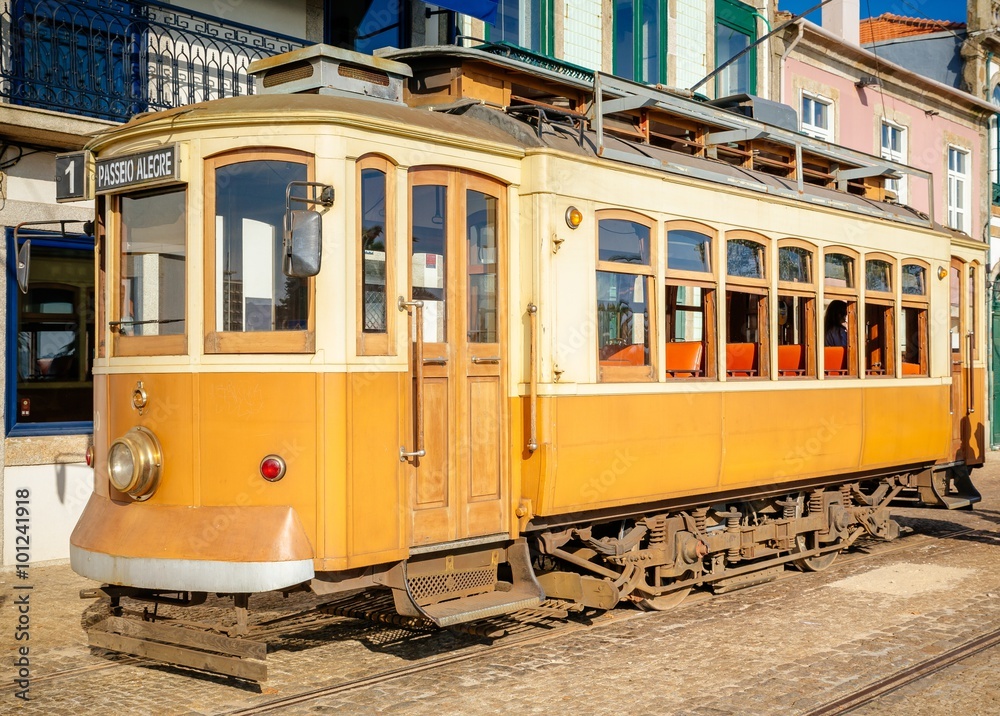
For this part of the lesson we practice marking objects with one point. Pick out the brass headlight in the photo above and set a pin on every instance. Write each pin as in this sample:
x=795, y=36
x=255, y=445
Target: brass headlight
x=135, y=462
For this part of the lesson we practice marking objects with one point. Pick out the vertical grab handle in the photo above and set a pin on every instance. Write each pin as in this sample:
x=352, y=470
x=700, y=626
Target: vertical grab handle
x=971, y=338
x=418, y=383
x=533, y=378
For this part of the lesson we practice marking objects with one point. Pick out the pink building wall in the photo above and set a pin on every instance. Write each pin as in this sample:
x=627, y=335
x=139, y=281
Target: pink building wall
x=858, y=113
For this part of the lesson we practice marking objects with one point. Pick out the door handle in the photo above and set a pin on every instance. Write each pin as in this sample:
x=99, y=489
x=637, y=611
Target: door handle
x=491, y=359
x=435, y=361
x=418, y=383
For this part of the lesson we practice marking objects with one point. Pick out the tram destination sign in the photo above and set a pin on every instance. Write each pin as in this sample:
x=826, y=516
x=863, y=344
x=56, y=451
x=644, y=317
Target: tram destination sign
x=155, y=166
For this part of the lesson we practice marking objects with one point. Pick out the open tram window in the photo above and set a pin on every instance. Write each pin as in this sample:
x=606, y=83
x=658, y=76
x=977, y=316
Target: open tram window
x=880, y=310
x=914, y=336
x=151, y=290
x=250, y=305
x=624, y=297
x=747, y=342
x=840, y=314
x=376, y=248
x=690, y=302
x=796, y=312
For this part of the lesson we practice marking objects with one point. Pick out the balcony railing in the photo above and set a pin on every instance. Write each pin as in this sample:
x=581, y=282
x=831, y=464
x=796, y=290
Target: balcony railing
x=112, y=59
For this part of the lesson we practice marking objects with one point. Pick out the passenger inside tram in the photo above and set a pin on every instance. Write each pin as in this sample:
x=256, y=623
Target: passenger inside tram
x=835, y=324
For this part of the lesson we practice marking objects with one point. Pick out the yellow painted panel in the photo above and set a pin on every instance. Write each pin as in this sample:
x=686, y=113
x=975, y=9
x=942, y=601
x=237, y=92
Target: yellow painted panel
x=168, y=413
x=907, y=424
x=485, y=430
x=335, y=490
x=780, y=435
x=247, y=416
x=376, y=497
x=102, y=438
x=611, y=450
x=976, y=428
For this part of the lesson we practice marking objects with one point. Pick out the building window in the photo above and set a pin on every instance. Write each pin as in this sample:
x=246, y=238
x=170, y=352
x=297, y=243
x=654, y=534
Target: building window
x=376, y=251
x=880, y=311
x=368, y=26
x=840, y=314
x=817, y=117
x=894, y=149
x=624, y=297
x=250, y=305
x=958, y=189
x=914, y=337
x=525, y=23
x=691, y=303
x=639, y=53
x=747, y=342
x=796, y=312
x=735, y=31
x=50, y=337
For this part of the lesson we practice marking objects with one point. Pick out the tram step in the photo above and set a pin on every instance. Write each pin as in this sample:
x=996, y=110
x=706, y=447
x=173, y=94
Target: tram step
x=523, y=593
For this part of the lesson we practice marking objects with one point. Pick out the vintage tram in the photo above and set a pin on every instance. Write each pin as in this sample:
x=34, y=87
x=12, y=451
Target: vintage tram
x=480, y=329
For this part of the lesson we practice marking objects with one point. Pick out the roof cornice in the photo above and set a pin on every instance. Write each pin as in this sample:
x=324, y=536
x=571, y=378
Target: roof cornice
x=955, y=97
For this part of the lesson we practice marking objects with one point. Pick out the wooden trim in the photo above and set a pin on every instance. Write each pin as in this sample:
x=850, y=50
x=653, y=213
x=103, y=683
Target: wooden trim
x=816, y=267
x=216, y=341
x=634, y=217
x=704, y=229
x=377, y=344
x=100, y=270
x=858, y=273
x=921, y=297
x=122, y=345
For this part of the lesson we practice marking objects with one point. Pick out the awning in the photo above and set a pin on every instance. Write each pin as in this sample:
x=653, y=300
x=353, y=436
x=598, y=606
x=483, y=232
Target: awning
x=485, y=10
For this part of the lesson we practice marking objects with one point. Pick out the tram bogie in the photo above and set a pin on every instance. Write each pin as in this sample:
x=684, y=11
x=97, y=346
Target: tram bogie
x=479, y=356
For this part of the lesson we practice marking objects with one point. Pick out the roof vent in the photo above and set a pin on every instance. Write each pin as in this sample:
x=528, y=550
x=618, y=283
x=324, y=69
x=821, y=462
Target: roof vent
x=322, y=69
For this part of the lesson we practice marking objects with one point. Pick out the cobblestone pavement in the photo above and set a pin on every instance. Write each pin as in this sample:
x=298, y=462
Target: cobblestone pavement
x=781, y=648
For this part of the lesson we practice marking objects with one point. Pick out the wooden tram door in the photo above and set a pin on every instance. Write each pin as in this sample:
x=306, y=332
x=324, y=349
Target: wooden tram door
x=962, y=337
x=457, y=241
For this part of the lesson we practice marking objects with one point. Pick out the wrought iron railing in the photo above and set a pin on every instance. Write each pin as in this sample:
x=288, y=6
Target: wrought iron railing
x=112, y=59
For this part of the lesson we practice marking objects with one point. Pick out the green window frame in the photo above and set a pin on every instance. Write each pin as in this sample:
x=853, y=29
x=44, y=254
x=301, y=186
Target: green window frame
x=634, y=61
x=544, y=9
x=742, y=19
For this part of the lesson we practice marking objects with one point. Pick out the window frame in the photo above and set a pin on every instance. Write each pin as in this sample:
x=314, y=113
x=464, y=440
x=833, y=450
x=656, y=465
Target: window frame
x=806, y=290
x=223, y=342
x=740, y=18
x=812, y=130
x=888, y=303
x=546, y=35
x=12, y=428
x=757, y=286
x=377, y=344
x=123, y=346
x=639, y=48
x=895, y=156
x=920, y=302
x=852, y=297
x=958, y=219
x=708, y=281
x=630, y=374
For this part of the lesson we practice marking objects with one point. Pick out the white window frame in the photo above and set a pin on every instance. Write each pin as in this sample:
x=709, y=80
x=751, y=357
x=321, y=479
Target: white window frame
x=813, y=130
x=959, y=188
x=896, y=185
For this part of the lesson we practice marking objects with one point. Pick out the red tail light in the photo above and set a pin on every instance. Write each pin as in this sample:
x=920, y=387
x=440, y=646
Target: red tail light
x=272, y=468
x=90, y=456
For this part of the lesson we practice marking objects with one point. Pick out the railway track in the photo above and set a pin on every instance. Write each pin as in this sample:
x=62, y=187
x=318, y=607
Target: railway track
x=526, y=633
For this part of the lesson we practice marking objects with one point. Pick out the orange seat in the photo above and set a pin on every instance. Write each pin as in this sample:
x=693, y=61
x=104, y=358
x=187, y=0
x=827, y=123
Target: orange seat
x=684, y=359
x=741, y=360
x=629, y=355
x=790, y=360
x=835, y=360
x=911, y=368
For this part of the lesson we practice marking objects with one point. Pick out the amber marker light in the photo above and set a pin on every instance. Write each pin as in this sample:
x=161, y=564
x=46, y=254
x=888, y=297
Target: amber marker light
x=574, y=217
x=272, y=468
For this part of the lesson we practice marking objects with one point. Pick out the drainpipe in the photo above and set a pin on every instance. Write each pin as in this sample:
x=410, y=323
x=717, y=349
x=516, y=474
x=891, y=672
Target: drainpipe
x=781, y=61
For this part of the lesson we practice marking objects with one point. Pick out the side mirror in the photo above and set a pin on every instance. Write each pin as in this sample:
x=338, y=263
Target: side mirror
x=303, y=243
x=23, y=265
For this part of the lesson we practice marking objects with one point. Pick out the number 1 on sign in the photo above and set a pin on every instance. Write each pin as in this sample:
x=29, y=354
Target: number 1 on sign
x=69, y=173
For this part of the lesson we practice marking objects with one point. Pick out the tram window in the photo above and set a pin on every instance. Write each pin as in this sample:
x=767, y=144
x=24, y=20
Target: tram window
x=796, y=328
x=914, y=280
x=688, y=251
x=745, y=258
x=373, y=239
x=255, y=294
x=839, y=271
x=956, y=309
x=429, y=261
x=746, y=330
x=624, y=298
x=481, y=228
x=840, y=330
x=690, y=322
x=880, y=340
x=878, y=276
x=914, y=341
x=794, y=264
x=973, y=318
x=153, y=261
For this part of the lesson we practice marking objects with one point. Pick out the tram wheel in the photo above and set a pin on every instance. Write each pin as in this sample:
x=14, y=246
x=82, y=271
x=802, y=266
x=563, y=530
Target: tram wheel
x=664, y=602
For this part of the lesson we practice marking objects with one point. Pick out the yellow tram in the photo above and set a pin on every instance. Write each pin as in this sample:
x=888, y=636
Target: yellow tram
x=481, y=332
